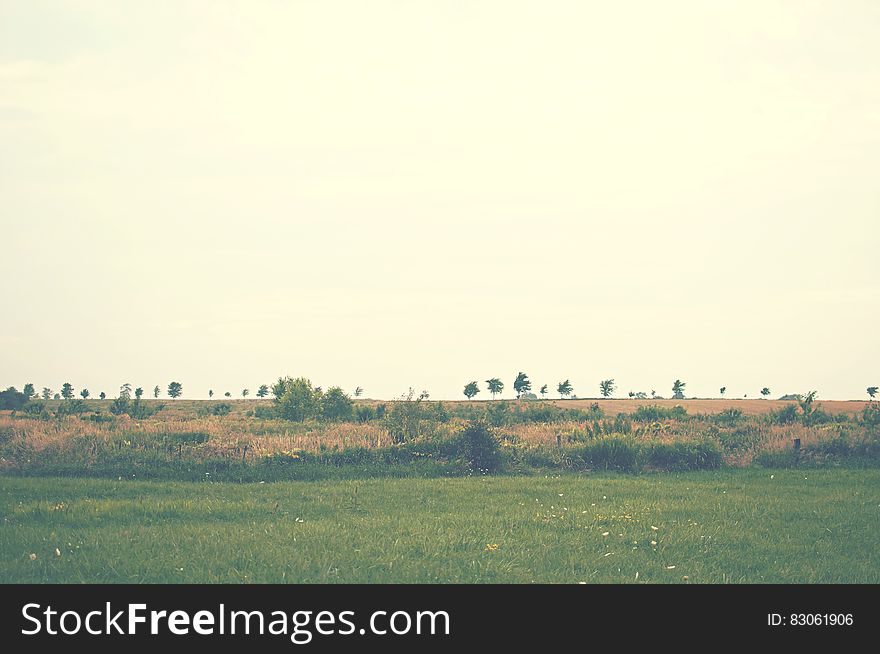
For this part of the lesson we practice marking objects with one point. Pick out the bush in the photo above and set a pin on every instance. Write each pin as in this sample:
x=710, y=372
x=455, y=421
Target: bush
x=871, y=415
x=728, y=417
x=682, y=456
x=336, y=405
x=218, y=409
x=298, y=401
x=12, y=399
x=787, y=415
x=70, y=408
x=610, y=453
x=481, y=448
x=655, y=413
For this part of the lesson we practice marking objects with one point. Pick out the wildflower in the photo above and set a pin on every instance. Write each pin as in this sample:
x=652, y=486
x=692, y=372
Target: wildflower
x=604, y=533
x=653, y=542
x=670, y=567
x=57, y=552
x=491, y=547
x=33, y=557
x=653, y=528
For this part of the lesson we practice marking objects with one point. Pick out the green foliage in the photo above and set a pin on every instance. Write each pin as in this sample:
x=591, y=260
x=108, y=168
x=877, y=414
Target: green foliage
x=655, y=413
x=36, y=410
x=871, y=390
x=70, y=407
x=175, y=390
x=46, y=393
x=138, y=393
x=481, y=448
x=522, y=384
x=12, y=399
x=404, y=421
x=495, y=386
x=67, y=391
x=607, y=387
x=787, y=415
x=215, y=409
x=299, y=401
x=336, y=405
x=29, y=391
x=871, y=415
x=85, y=393
x=678, y=390
x=728, y=417
x=263, y=391
x=471, y=389
x=564, y=388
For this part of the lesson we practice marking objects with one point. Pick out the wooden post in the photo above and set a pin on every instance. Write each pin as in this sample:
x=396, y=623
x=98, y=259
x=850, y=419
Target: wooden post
x=558, y=440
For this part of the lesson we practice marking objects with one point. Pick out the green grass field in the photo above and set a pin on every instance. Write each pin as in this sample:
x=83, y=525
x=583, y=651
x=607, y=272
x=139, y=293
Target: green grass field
x=751, y=525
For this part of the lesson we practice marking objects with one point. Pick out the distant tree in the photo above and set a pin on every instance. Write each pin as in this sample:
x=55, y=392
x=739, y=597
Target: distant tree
x=12, y=399
x=263, y=390
x=678, y=390
x=723, y=390
x=564, y=388
x=543, y=391
x=872, y=391
x=210, y=393
x=125, y=391
x=336, y=405
x=245, y=392
x=806, y=404
x=653, y=393
x=522, y=384
x=156, y=391
x=102, y=395
x=227, y=394
x=29, y=391
x=175, y=390
x=495, y=386
x=358, y=391
x=765, y=391
x=607, y=387
x=138, y=393
x=471, y=389
x=281, y=386
x=67, y=391
x=57, y=396
x=85, y=393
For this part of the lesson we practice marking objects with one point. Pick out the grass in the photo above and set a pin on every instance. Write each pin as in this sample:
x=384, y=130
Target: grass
x=722, y=526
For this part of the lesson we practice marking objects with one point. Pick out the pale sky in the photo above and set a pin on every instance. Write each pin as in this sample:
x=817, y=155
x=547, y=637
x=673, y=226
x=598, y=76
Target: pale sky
x=395, y=194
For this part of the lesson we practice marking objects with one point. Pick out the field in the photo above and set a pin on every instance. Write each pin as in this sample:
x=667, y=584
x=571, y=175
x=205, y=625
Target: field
x=622, y=491
x=728, y=526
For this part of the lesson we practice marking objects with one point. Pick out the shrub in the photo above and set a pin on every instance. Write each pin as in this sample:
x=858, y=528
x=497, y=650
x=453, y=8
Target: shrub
x=70, y=408
x=728, y=417
x=685, y=456
x=298, y=401
x=12, y=399
x=787, y=415
x=611, y=453
x=655, y=413
x=871, y=415
x=336, y=405
x=481, y=448
x=218, y=409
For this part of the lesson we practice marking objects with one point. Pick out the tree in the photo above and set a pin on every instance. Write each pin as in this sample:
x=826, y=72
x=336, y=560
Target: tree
x=723, y=390
x=210, y=393
x=495, y=386
x=138, y=393
x=57, y=396
x=29, y=391
x=358, y=391
x=103, y=395
x=263, y=391
x=67, y=391
x=156, y=391
x=12, y=399
x=175, y=390
x=336, y=405
x=245, y=392
x=125, y=391
x=765, y=391
x=299, y=400
x=227, y=394
x=85, y=393
x=564, y=388
x=543, y=391
x=872, y=391
x=522, y=384
x=606, y=387
x=678, y=390
x=471, y=389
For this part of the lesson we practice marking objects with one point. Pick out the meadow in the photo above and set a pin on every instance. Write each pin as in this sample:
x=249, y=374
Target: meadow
x=725, y=526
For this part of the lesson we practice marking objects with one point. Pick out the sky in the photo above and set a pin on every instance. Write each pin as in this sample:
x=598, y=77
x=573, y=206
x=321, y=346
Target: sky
x=396, y=194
